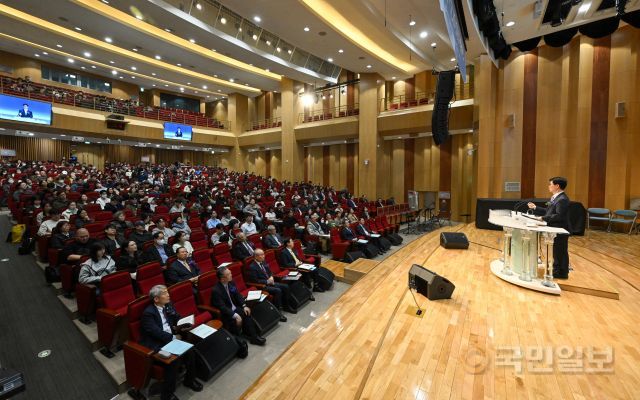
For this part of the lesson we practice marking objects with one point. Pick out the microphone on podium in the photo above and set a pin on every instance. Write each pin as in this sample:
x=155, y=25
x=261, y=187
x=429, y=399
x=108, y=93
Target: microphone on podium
x=520, y=203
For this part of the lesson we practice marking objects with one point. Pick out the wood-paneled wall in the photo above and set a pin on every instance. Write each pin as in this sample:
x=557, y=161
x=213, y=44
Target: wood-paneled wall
x=36, y=148
x=573, y=125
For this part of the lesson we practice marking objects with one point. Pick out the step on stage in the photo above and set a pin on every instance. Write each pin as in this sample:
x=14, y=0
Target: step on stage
x=492, y=339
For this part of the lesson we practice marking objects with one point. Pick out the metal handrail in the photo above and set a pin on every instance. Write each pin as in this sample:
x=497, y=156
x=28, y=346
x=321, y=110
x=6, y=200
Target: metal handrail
x=267, y=123
x=420, y=98
x=55, y=95
x=329, y=113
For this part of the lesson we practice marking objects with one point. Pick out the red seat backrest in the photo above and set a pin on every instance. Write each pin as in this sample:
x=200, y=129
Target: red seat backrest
x=238, y=279
x=197, y=236
x=134, y=314
x=149, y=275
x=116, y=290
x=206, y=282
x=203, y=260
x=182, y=298
x=272, y=261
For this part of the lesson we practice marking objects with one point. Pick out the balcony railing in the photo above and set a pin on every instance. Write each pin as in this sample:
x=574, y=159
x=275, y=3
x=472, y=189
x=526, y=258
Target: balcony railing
x=401, y=102
x=329, y=113
x=55, y=95
x=275, y=122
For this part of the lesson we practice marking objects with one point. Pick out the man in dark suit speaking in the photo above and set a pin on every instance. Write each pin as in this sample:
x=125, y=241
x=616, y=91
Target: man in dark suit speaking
x=158, y=327
x=25, y=112
x=179, y=132
x=556, y=214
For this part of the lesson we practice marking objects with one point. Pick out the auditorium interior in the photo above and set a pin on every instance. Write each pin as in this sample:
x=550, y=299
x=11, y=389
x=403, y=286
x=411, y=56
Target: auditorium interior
x=320, y=199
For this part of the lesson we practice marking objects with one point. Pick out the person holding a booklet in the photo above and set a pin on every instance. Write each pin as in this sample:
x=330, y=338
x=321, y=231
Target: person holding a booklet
x=259, y=272
x=159, y=327
x=289, y=259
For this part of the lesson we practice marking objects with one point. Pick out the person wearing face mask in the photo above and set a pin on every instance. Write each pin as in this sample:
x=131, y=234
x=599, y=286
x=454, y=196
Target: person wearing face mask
x=161, y=226
x=103, y=200
x=160, y=251
x=182, y=240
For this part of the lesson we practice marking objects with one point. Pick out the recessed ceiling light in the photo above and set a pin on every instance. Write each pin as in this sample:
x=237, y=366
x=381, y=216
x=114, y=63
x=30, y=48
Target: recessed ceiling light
x=112, y=62
x=153, y=73
x=215, y=75
x=133, y=77
x=114, y=72
x=188, y=83
x=340, y=51
x=168, y=30
x=369, y=66
x=139, y=16
x=330, y=59
x=83, y=67
x=510, y=23
x=192, y=40
x=266, y=69
x=257, y=19
x=424, y=34
x=583, y=8
x=453, y=59
x=219, y=90
x=231, y=80
x=289, y=51
x=166, y=85
x=105, y=1
x=45, y=53
x=37, y=55
x=78, y=28
x=63, y=135
x=278, y=49
x=71, y=60
x=434, y=44
x=255, y=37
x=223, y=20
x=133, y=68
x=135, y=49
x=121, y=77
x=93, y=66
x=268, y=42
x=59, y=46
x=179, y=65
x=87, y=54
x=182, y=89
x=306, y=29
x=214, y=50
x=199, y=6
x=158, y=57
x=154, y=85
x=204, y=87
x=412, y=23
x=393, y=77
x=246, y=84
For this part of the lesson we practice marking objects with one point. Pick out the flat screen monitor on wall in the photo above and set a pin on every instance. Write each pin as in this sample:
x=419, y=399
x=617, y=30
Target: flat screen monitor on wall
x=25, y=110
x=177, y=131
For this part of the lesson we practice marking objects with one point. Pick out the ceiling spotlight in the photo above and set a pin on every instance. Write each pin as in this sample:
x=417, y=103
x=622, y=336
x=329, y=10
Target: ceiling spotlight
x=179, y=65
x=330, y=59
x=112, y=62
x=45, y=53
x=93, y=66
x=231, y=80
x=199, y=6
x=306, y=29
x=223, y=20
x=114, y=72
x=37, y=55
x=510, y=24
x=154, y=85
x=158, y=57
x=168, y=30
x=266, y=69
x=188, y=83
x=584, y=8
x=153, y=73
x=192, y=40
x=78, y=28
x=105, y=1
x=133, y=68
x=133, y=77
x=87, y=54
x=139, y=16
x=166, y=85
x=453, y=59
x=59, y=46
x=135, y=49
x=278, y=49
x=369, y=66
x=204, y=87
x=255, y=37
x=289, y=51
x=393, y=77
x=434, y=44
x=108, y=39
x=257, y=19
x=71, y=60
x=412, y=23
x=268, y=43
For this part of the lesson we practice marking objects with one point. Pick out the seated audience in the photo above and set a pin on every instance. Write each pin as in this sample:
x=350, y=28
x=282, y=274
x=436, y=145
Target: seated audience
x=219, y=236
x=140, y=235
x=47, y=226
x=60, y=234
x=180, y=225
x=160, y=250
x=260, y=273
x=272, y=240
x=182, y=240
x=248, y=227
x=112, y=239
x=130, y=257
x=161, y=226
x=80, y=247
x=97, y=266
x=242, y=248
x=181, y=269
x=83, y=219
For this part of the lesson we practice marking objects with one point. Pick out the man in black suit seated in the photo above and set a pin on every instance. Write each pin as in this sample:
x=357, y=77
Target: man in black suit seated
x=362, y=230
x=289, y=259
x=160, y=251
x=236, y=316
x=243, y=248
x=272, y=240
x=556, y=214
x=158, y=326
x=181, y=269
x=259, y=272
x=79, y=248
x=349, y=235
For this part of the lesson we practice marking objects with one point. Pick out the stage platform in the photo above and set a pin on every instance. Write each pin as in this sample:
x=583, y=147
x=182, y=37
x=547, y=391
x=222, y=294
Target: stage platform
x=492, y=339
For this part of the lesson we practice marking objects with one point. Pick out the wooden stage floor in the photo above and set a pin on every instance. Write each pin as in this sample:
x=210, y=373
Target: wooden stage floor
x=492, y=340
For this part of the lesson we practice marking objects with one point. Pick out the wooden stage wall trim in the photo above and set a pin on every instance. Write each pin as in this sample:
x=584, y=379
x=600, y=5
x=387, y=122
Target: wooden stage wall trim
x=599, y=121
x=445, y=165
x=326, y=165
x=306, y=164
x=351, y=152
x=529, y=117
x=267, y=163
x=409, y=164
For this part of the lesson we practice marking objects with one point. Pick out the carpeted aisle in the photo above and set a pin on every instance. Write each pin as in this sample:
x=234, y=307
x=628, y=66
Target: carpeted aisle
x=31, y=320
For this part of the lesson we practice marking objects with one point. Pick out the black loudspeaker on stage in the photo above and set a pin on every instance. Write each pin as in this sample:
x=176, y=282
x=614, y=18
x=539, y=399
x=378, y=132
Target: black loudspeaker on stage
x=440, y=115
x=430, y=284
x=454, y=240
